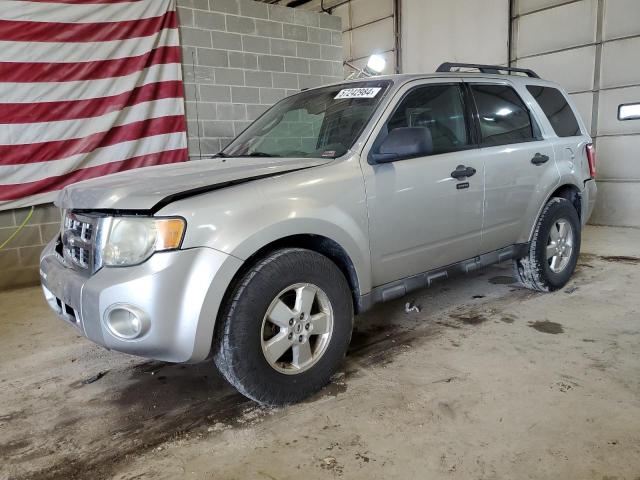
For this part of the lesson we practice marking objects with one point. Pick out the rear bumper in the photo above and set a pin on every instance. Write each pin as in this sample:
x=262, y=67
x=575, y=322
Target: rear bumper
x=180, y=293
x=589, y=195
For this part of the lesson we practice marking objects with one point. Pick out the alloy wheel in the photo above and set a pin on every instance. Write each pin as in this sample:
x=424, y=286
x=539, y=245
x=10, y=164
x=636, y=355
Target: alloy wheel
x=560, y=245
x=297, y=328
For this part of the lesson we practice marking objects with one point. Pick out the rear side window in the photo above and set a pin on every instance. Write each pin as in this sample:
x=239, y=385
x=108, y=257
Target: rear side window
x=438, y=109
x=502, y=115
x=557, y=110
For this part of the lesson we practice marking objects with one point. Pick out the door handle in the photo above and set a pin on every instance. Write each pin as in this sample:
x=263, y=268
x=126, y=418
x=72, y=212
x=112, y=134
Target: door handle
x=539, y=159
x=462, y=172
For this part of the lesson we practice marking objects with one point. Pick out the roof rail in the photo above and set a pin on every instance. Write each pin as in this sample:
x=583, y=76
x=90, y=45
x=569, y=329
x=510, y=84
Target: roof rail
x=495, y=69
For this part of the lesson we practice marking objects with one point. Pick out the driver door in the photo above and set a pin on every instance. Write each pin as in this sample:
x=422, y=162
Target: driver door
x=420, y=217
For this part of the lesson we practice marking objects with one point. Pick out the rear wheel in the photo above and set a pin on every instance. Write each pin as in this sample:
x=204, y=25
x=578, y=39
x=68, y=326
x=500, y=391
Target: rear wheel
x=285, y=327
x=554, y=249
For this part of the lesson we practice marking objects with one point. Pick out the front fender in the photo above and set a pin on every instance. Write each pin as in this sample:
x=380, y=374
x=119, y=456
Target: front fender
x=328, y=201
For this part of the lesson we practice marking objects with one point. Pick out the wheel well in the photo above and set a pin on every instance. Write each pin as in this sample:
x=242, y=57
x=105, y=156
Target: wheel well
x=317, y=243
x=572, y=194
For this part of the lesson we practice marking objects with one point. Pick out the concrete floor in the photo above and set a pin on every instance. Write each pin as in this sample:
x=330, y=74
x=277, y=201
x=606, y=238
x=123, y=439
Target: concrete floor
x=488, y=381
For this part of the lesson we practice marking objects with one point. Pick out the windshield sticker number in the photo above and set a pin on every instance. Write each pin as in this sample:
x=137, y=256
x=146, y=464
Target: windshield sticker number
x=358, y=93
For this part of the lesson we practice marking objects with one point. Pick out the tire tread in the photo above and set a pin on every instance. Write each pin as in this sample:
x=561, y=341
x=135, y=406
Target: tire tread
x=224, y=346
x=529, y=270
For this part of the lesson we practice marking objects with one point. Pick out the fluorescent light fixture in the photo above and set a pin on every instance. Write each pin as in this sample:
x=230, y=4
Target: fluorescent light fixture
x=376, y=63
x=629, y=111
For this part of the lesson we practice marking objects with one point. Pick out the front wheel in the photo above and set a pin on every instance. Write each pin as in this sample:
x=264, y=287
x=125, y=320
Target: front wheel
x=285, y=327
x=554, y=249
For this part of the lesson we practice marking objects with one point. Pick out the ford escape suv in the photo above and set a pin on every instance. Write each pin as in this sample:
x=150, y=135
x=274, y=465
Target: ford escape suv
x=337, y=198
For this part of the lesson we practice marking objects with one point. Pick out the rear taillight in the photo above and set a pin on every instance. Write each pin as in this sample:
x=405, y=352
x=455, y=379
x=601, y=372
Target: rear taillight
x=591, y=157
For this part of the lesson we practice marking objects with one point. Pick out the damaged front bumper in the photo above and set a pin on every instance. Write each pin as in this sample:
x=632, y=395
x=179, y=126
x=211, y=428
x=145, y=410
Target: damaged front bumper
x=177, y=295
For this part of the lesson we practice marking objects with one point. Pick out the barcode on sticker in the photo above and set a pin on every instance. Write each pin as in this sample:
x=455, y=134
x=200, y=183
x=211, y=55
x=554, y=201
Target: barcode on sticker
x=358, y=93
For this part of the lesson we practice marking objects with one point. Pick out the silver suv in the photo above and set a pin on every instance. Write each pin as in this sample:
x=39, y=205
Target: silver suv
x=337, y=198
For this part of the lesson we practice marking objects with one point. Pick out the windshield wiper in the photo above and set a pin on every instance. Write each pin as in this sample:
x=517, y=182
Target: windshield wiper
x=254, y=154
x=261, y=154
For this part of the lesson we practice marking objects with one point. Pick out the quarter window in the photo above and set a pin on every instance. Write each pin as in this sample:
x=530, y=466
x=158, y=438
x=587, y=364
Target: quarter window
x=503, y=116
x=557, y=110
x=439, y=109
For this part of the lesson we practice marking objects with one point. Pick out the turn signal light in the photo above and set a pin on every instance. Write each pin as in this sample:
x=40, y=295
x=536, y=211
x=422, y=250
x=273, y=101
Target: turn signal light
x=170, y=232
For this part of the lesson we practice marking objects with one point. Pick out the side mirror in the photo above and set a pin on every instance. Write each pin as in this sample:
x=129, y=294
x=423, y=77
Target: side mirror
x=403, y=142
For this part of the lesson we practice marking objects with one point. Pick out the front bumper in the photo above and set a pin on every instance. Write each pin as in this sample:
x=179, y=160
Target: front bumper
x=180, y=291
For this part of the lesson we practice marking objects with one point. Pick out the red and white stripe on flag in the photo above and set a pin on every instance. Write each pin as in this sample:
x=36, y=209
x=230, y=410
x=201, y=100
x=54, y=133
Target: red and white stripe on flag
x=87, y=88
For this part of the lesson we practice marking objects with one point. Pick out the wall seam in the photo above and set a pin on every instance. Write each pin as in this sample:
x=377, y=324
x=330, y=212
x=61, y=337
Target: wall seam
x=596, y=71
x=550, y=7
x=576, y=47
x=510, y=33
x=397, y=26
x=368, y=23
x=603, y=89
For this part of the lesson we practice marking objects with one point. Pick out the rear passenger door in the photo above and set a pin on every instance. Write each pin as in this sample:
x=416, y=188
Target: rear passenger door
x=519, y=164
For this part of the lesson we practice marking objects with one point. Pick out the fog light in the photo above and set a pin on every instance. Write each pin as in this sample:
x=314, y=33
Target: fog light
x=126, y=321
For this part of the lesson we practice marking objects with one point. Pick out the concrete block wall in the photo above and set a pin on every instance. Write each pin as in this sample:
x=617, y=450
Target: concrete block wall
x=241, y=56
x=368, y=27
x=19, y=259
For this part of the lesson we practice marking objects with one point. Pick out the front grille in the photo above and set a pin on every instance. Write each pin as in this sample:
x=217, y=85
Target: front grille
x=78, y=240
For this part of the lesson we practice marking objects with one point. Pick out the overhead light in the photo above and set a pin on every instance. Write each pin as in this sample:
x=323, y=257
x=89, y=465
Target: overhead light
x=376, y=63
x=629, y=111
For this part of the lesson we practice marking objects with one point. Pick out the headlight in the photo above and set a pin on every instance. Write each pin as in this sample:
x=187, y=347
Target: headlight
x=131, y=240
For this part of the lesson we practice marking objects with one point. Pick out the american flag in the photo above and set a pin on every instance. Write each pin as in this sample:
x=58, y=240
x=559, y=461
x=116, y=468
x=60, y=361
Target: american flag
x=87, y=88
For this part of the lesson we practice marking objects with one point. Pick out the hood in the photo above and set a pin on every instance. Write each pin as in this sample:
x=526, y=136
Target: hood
x=151, y=188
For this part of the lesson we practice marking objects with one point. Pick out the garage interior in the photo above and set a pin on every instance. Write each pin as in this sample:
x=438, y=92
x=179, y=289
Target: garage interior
x=483, y=379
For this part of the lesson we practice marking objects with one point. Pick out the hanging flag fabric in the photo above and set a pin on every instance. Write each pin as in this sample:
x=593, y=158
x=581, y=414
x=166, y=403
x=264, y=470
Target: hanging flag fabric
x=87, y=88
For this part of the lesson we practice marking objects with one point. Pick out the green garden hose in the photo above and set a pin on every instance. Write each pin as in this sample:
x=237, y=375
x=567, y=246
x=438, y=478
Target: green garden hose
x=13, y=235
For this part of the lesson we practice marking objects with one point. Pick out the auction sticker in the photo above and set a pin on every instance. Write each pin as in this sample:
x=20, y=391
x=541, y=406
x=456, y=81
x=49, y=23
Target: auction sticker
x=358, y=93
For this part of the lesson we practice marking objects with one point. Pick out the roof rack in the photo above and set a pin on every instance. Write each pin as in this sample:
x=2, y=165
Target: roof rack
x=495, y=69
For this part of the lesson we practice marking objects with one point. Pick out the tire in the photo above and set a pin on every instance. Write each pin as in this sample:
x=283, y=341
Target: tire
x=242, y=340
x=538, y=272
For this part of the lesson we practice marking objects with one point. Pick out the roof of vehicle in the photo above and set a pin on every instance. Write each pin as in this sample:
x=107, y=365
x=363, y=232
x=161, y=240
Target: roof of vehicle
x=401, y=78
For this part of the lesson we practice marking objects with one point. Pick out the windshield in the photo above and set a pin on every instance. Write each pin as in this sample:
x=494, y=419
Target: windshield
x=323, y=122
